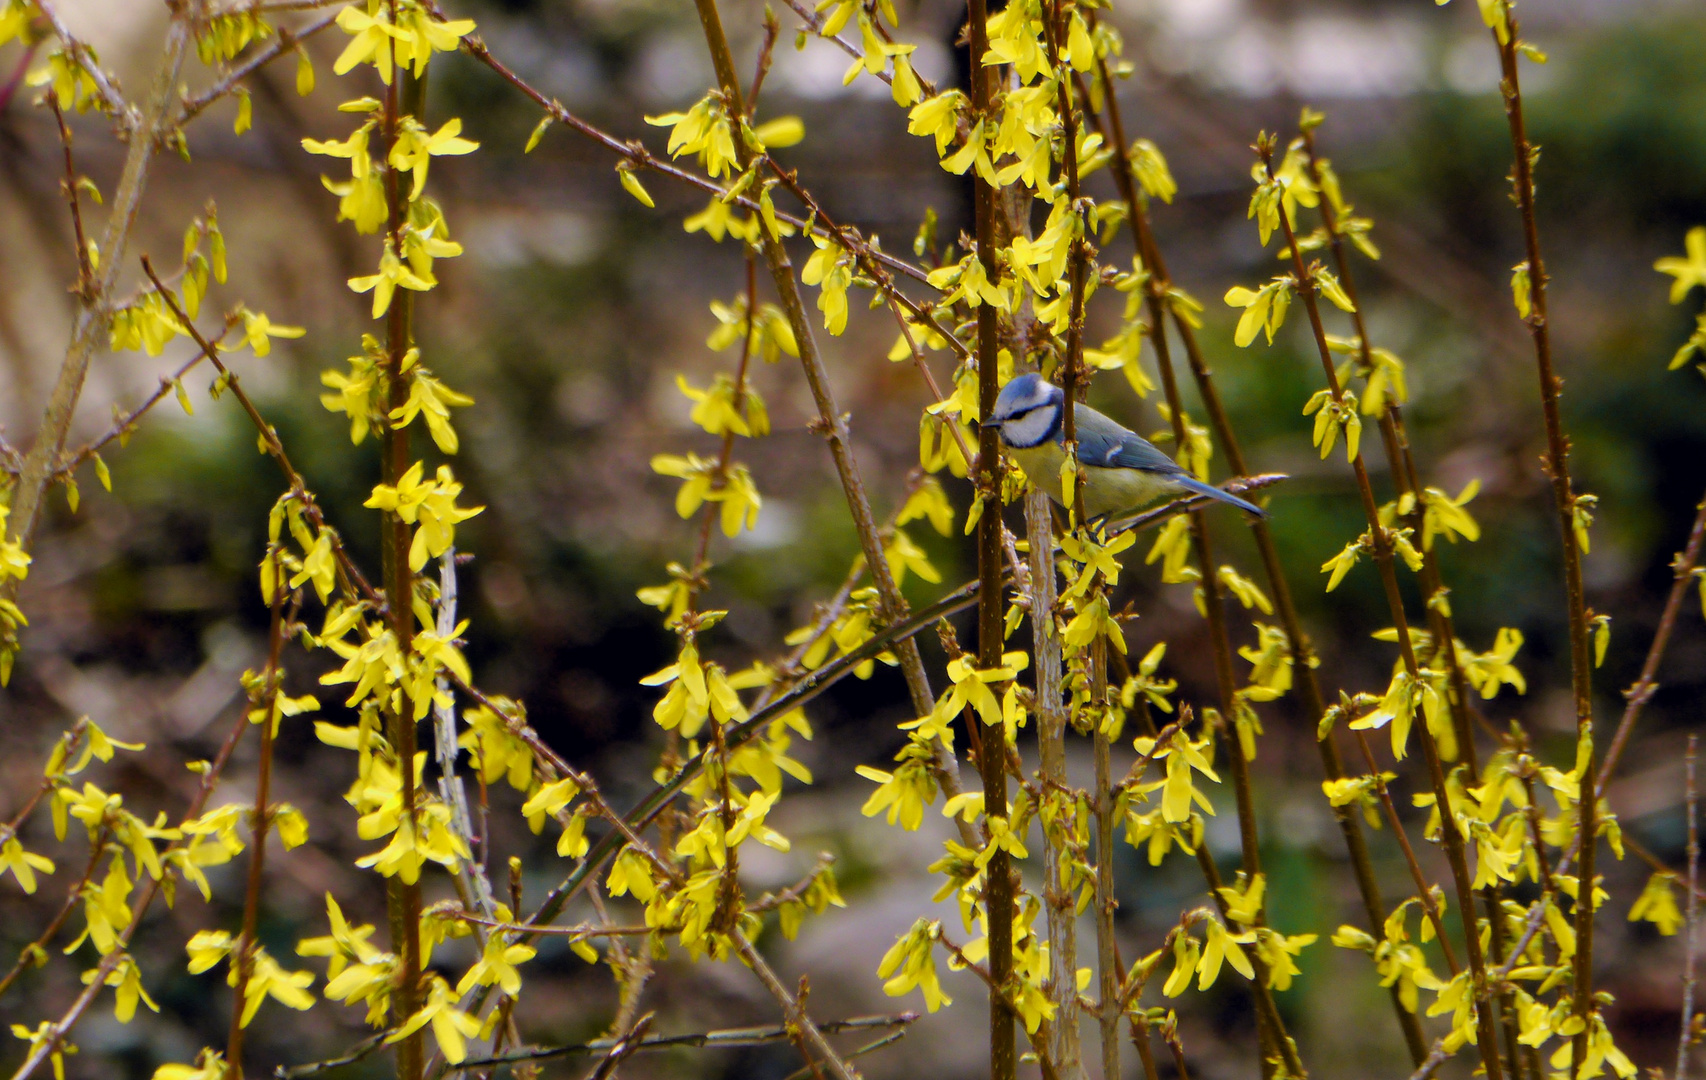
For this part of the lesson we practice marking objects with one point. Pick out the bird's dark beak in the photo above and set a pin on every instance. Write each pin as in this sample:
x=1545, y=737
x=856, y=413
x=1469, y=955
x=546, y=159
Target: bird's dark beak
x=990, y=424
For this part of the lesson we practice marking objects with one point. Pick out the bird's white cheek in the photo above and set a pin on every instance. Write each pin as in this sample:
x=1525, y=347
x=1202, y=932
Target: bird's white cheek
x=1028, y=430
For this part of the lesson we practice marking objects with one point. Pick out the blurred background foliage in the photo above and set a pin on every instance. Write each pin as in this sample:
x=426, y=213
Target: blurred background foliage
x=575, y=307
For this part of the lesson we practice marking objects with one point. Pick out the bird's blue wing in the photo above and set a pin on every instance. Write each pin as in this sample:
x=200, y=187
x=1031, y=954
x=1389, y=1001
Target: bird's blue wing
x=1105, y=443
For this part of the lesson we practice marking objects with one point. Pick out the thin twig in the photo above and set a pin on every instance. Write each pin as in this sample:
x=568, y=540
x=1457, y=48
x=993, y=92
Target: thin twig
x=1266, y=1009
x=1307, y=288
x=813, y=1035
x=814, y=22
x=1638, y=694
x=89, y=331
x=112, y=102
x=1506, y=39
x=637, y=155
x=286, y=40
x=1138, y=1026
x=1039, y=1046
x=351, y=575
x=124, y=425
x=35, y=953
x=1160, y=287
x=1424, y=894
x=1693, y=911
x=804, y=1072
x=97, y=978
x=260, y=820
x=361, y=1051
x=727, y=1038
x=772, y=28
x=9, y=88
x=275, y=7
x=572, y=933
x=1269, y=1022
x=998, y=891
x=625, y=1048
x=85, y=287
x=64, y=747
x=810, y=685
x=877, y=266
x=1641, y=692
x=772, y=901
x=1436, y=1057
x=1401, y=465
x=1176, y=1045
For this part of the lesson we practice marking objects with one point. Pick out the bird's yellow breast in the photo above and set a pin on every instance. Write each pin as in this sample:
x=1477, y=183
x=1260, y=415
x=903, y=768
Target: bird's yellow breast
x=1106, y=491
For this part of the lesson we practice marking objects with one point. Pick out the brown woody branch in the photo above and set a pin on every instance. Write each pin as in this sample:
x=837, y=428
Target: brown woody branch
x=1383, y=552
x=1160, y=294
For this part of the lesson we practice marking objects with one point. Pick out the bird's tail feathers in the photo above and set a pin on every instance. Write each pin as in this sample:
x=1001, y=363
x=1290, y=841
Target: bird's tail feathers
x=1191, y=483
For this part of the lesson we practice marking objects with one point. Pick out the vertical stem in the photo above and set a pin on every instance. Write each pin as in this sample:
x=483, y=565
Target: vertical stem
x=260, y=823
x=1268, y=1019
x=1177, y=1048
x=1221, y=649
x=992, y=760
x=1564, y=500
x=1075, y=384
x=1423, y=893
x=1107, y=962
x=1064, y=1045
x=729, y=895
x=89, y=330
x=1302, y=654
x=1505, y=1018
x=473, y=870
x=1690, y=801
x=1486, y=1040
x=402, y=901
x=725, y=457
x=1145, y=1052
x=831, y=424
x=1405, y=476
x=1074, y=381
x=1406, y=480
x=1682, y=569
x=810, y=1033
x=1225, y=679
x=1267, y=1013
x=85, y=271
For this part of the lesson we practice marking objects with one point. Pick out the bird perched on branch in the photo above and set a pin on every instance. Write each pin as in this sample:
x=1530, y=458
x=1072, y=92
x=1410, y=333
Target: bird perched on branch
x=1122, y=470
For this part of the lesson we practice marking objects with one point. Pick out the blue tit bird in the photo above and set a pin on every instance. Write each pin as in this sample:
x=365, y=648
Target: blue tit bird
x=1122, y=470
